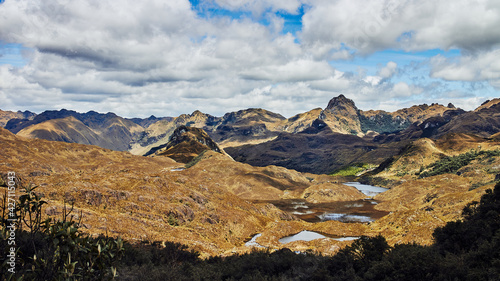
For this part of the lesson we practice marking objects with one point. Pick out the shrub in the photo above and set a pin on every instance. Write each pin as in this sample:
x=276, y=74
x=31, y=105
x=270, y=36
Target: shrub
x=56, y=249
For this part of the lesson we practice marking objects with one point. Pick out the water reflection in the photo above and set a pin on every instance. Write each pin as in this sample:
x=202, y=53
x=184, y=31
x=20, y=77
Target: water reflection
x=311, y=235
x=345, y=211
x=253, y=243
x=369, y=190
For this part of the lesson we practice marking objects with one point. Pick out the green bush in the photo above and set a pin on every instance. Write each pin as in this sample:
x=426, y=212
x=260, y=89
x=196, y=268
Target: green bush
x=55, y=249
x=451, y=164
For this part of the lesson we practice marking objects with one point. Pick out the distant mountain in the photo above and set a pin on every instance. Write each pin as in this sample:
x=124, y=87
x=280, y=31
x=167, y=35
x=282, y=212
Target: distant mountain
x=146, y=122
x=67, y=129
x=235, y=128
x=5, y=116
x=250, y=125
x=488, y=104
x=344, y=135
x=317, y=150
x=105, y=130
x=342, y=116
x=482, y=122
x=391, y=122
x=159, y=133
x=304, y=142
x=300, y=121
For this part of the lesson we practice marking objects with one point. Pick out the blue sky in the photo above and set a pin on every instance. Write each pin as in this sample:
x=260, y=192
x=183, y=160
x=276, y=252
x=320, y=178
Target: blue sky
x=287, y=56
x=11, y=54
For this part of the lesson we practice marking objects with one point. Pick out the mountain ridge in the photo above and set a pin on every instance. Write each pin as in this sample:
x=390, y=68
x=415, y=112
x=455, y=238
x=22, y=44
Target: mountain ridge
x=245, y=132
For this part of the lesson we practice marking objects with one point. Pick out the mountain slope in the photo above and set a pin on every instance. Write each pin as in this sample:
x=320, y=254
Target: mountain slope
x=185, y=144
x=6, y=116
x=142, y=198
x=67, y=129
x=315, y=150
x=234, y=128
x=105, y=130
x=389, y=122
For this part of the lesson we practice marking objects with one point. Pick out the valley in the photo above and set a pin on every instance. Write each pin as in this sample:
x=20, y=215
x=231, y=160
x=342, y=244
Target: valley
x=214, y=183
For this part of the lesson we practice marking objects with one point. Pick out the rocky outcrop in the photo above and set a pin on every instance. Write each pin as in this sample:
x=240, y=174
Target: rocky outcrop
x=185, y=144
x=342, y=116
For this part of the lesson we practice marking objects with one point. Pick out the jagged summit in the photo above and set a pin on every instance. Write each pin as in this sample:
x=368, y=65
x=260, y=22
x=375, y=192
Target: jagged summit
x=342, y=116
x=185, y=144
x=341, y=103
x=488, y=104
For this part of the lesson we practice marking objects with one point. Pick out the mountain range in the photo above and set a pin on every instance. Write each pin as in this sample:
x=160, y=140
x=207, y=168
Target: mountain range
x=214, y=182
x=317, y=141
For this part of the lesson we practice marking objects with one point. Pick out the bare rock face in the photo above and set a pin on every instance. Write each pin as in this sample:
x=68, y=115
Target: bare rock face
x=342, y=116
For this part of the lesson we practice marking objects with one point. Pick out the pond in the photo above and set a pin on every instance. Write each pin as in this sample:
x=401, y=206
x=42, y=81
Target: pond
x=311, y=235
x=366, y=189
x=253, y=243
x=345, y=211
x=305, y=235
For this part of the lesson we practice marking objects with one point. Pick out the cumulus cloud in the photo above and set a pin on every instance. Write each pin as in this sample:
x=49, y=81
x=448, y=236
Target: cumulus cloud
x=413, y=25
x=260, y=6
x=388, y=71
x=138, y=58
x=484, y=66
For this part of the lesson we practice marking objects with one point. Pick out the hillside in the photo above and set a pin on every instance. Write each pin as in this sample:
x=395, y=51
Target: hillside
x=316, y=150
x=105, y=130
x=147, y=198
x=185, y=144
x=5, y=116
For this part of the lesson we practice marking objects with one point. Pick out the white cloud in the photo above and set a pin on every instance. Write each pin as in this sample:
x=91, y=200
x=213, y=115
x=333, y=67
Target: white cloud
x=388, y=71
x=138, y=58
x=257, y=7
x=484, y=66
x=299, y=70
x=369, y=26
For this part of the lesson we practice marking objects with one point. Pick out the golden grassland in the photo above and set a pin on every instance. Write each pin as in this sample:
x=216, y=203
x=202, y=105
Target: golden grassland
x=208, y=207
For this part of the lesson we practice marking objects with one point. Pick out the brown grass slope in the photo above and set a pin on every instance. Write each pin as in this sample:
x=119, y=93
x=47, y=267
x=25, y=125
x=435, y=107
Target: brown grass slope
x=105, y=130
x=6, y=116
x=141, y=198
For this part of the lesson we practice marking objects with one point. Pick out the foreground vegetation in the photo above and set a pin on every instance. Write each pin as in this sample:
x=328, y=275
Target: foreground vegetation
x=467, y=249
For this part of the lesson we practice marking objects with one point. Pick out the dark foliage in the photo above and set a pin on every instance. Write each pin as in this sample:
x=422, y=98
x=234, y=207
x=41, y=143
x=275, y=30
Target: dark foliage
x=52, y=249
x=451, y=164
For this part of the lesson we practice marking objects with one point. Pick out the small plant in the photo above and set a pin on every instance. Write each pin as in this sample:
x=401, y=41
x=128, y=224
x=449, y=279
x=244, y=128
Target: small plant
x=56, y=249
x=172, y=220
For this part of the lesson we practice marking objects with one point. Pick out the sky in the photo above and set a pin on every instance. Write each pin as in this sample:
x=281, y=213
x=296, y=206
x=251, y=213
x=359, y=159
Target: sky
x=166, y=58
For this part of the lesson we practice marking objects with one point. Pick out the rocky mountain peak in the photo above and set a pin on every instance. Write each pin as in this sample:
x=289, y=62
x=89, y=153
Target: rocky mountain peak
x=185, y=144
x=342, y=116
x=488, y=104
x=197, y=113
x=341, y=103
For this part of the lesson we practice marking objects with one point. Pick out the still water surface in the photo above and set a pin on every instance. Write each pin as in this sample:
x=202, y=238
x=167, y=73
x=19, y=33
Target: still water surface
x=345, y=211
